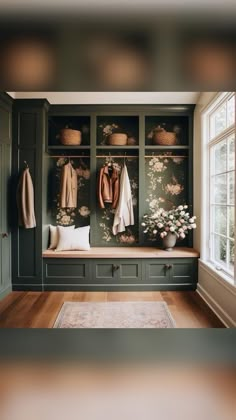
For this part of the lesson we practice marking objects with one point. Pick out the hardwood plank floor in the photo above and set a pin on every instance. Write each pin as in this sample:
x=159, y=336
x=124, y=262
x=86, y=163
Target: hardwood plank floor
x=40, y=309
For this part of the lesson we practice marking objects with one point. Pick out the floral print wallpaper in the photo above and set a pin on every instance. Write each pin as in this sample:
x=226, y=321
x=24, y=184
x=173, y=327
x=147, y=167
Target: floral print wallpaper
x=105, y=217
x=166, y=182
x=166, y=185
x=79, y=216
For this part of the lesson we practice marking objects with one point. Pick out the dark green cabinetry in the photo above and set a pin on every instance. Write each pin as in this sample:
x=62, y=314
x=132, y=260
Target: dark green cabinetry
x=5, y=211
x=120, y=274
x=160, y=174
x=117, y=272
x=30, y=128
x=174, y=273
x=36, y=127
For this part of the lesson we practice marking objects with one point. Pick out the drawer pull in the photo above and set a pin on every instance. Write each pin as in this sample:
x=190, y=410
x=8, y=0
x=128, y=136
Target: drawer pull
x=168, y=266
x=115, y=268
x=4, y=235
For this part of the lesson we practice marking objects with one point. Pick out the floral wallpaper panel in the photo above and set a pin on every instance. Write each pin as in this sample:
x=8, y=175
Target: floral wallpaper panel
x=105, y=217
x=166, y=183
x=79, y=216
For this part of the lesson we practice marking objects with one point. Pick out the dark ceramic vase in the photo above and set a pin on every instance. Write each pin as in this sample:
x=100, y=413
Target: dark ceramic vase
x=169, y=241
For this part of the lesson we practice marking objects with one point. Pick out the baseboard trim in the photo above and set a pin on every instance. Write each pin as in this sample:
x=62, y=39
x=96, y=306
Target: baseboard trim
x=27, y=288
x=5, y=292
x=215, y=307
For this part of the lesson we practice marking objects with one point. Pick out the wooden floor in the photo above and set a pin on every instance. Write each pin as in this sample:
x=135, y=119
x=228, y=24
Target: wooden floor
x=40, y=309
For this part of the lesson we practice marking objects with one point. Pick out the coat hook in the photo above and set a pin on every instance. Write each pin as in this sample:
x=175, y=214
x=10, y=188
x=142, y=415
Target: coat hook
x=26, y=164
x=110, y=160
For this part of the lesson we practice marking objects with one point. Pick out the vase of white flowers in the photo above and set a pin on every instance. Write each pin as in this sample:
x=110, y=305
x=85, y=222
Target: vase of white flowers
x=169, y=241
x=170, y=225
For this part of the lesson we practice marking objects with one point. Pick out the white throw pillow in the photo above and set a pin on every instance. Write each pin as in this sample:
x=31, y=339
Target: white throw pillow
x=73, y=240
x=54, y=235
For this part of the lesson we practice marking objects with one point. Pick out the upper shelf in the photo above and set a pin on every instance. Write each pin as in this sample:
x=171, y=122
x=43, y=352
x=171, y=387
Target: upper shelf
x=120, y=131
x=125, y=127
x=117, y=147
x=167, y=131
x=61, y=147
x=78, y=125
x=176, y=147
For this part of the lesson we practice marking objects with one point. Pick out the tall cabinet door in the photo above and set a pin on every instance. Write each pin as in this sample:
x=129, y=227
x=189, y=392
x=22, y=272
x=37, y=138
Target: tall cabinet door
x=29, y=128
x=5, y=174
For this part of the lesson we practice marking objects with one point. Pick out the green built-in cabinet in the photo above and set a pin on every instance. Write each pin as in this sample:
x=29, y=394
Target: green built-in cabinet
x=5, y=202
x=158, y=174
x=120, y=274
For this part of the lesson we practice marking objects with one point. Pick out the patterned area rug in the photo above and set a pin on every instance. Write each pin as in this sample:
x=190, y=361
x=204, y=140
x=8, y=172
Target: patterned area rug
x=114, y=315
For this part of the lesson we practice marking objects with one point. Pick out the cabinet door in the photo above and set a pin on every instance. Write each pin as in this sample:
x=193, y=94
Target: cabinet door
x=117, y=272
x=66, y=271
x=171, y=273
x=105, y=271
x=130, y=271
x=29, y=132
x=5, y=173
x=5, y=150
x=156, y=272
x=183, y=271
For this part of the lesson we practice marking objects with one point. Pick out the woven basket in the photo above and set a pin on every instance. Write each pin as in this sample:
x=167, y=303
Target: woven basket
x=69, y=137
x=117, y=139
x=164, y=138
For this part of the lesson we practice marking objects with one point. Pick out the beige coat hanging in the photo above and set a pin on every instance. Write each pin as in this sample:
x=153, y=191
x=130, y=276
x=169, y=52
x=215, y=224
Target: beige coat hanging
x=25, y=201
x=69, y=187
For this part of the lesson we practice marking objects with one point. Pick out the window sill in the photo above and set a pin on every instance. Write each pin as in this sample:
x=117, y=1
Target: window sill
x=220, y=276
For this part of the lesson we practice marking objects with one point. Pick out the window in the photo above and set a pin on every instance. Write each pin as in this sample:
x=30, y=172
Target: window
x=220, y=164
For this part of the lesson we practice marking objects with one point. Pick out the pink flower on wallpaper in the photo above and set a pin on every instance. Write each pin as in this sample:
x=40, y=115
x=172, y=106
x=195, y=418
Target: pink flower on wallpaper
x=85, y=173
x=124, y=238
x=174, y=189
x=79, y=171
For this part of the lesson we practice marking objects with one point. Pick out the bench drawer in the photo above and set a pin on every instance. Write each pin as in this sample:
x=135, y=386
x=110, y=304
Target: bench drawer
x=66, y=271
x=117, y=272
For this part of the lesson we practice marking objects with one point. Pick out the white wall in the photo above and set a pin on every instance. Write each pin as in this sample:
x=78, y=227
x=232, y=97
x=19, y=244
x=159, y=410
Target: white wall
x=219, y=295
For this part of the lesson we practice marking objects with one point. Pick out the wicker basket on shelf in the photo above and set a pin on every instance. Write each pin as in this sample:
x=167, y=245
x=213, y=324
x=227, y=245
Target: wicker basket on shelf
x=117, y=139
x=163, y=137
x=70, y=137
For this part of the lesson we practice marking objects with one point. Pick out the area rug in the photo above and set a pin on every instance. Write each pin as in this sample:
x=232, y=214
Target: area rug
x=114, y=315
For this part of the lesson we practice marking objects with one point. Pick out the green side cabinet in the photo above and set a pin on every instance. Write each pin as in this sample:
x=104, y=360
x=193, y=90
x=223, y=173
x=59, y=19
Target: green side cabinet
x=5, y=207
x=117, y=274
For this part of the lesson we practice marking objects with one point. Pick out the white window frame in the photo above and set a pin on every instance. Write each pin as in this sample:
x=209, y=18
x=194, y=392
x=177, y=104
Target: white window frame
x=206, y=145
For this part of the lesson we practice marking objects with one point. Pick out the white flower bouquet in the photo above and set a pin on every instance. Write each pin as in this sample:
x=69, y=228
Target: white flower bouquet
x=177, y=221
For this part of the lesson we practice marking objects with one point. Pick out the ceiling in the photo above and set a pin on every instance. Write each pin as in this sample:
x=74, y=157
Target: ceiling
x=133, y=98
x=104, y=6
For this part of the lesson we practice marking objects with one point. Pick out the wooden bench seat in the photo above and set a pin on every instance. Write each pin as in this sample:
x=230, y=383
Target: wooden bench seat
x=131, y=252
x=120, y=269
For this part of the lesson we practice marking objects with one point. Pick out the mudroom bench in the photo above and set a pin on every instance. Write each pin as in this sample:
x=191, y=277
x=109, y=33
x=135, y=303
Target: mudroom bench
x=120, y=269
